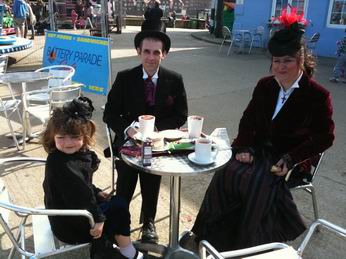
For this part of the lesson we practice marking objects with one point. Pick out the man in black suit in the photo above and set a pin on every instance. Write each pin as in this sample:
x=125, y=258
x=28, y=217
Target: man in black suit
x=154, y=13
x=130, y=97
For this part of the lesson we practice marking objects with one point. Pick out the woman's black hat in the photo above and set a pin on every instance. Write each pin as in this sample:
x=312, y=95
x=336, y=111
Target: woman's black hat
x=288, y=40
x=153, y=29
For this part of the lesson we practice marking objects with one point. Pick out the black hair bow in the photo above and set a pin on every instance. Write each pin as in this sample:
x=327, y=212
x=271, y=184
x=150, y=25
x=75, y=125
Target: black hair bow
x=80, y=107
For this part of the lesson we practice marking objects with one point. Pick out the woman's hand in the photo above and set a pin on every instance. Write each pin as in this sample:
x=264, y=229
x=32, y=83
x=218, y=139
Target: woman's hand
x=96, y=232
x=280, y=169
x=244, y=157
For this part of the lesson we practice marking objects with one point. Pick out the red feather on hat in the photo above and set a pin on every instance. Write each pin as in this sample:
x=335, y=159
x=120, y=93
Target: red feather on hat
x=287, y=19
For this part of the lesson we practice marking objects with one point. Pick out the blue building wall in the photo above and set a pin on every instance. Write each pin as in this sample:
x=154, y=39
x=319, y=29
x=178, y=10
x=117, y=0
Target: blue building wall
x=254, y=13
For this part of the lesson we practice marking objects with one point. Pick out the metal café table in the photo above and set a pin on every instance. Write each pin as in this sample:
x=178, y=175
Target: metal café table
x=23, y=78
x=242, y=34
x=177, y=166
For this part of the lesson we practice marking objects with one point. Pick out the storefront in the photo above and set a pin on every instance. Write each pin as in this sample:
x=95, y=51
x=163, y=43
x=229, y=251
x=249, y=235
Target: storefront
x=328, y=17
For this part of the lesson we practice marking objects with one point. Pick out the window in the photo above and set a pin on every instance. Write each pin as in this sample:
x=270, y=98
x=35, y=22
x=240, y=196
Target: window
x=278, y=5
x=337, y=14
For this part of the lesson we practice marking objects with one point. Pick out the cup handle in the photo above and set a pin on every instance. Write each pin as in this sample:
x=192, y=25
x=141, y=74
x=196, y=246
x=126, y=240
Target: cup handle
x=215, y=152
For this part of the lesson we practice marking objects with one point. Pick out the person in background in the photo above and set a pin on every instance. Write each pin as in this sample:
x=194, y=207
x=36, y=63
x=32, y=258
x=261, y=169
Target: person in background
x=68, y=181
x=154, y=13
x=79, y=8
x=30, y=22
x=339, y=68
x=38, y=9
x=228, y=13
x=287, y=122
x=74, y=18
x=145, y=89
x=20, y=12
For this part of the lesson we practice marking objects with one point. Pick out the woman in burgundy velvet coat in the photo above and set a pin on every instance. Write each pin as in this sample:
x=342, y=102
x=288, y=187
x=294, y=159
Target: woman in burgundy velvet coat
x=288, y=121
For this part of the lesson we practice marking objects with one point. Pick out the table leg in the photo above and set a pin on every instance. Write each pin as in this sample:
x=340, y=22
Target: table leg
x=174, y=211
x=26, y=119
x=174, y=250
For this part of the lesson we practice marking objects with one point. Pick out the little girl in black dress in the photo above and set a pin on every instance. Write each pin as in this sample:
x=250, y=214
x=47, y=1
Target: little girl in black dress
x=68, y=181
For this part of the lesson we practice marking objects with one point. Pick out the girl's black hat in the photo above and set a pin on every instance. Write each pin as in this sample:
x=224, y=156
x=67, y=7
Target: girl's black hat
x=79, y=108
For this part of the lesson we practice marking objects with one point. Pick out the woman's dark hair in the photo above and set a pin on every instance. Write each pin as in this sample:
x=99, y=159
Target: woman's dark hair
x=74, y=119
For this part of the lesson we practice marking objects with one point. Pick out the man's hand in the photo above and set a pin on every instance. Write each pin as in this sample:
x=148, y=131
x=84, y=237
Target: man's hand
x=244, y=157
x=96, y=232
x=103, y=196
x=131, y=132
x=280, y=169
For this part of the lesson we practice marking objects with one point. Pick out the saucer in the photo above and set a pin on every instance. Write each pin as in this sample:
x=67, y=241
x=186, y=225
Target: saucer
x=192, y=158
x=172, y=135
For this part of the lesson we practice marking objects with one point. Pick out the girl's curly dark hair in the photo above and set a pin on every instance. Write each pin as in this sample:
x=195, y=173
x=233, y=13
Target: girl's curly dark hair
x=74, y=119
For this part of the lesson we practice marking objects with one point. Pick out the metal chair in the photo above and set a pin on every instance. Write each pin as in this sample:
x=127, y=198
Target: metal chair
x=109, y=152
x=230, y=38
x=3, y=64
x=8, y=103
x=257, y=36
x=61, y=75
x=58, y=96
x=272, y=250
x=307, y=183
x=45, y=243
x=311, y=43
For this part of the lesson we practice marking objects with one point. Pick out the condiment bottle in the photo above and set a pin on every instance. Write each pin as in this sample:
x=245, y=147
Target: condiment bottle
x=146, y=152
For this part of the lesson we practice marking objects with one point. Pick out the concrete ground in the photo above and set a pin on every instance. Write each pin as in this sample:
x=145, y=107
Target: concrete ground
x=218, y=87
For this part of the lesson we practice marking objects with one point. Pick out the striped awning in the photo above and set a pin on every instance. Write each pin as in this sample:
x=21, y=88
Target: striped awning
x=20, y=44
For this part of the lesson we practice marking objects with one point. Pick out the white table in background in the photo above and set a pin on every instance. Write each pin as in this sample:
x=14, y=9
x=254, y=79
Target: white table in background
x=242, y=33
x=23, y=78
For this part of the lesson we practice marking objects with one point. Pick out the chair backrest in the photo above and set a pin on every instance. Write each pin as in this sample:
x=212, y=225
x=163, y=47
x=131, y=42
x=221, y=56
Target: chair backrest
x=226, y=33
x=316, y=162
x=315, y=37
x=259, y=30
x=40, y=231
x=271, y=250
x=3, y=64
x=64, y=94
x=62, y=74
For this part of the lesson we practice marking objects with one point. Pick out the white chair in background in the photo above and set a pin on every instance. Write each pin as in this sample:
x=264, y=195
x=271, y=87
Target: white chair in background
x=61, y=75
x=312, y=42
x=229, y=38
x=3, y=64
x=45, y=243
x=57, y=97
x=272, y=250
x=257, y=36
x=8, y=103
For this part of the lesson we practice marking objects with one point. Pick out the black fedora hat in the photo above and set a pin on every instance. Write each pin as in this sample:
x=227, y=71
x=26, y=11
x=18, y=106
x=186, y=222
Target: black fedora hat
x=153, y=29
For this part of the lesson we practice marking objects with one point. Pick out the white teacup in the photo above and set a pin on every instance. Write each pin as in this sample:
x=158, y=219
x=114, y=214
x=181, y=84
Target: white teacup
x=203, y=150
x=146, y=125
x=194, y=126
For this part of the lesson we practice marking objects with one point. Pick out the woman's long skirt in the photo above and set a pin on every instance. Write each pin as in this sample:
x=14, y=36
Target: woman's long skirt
x=246, y=205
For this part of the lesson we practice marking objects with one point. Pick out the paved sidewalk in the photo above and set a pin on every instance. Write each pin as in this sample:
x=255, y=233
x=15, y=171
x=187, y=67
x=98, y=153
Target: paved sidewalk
x=218, y=87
